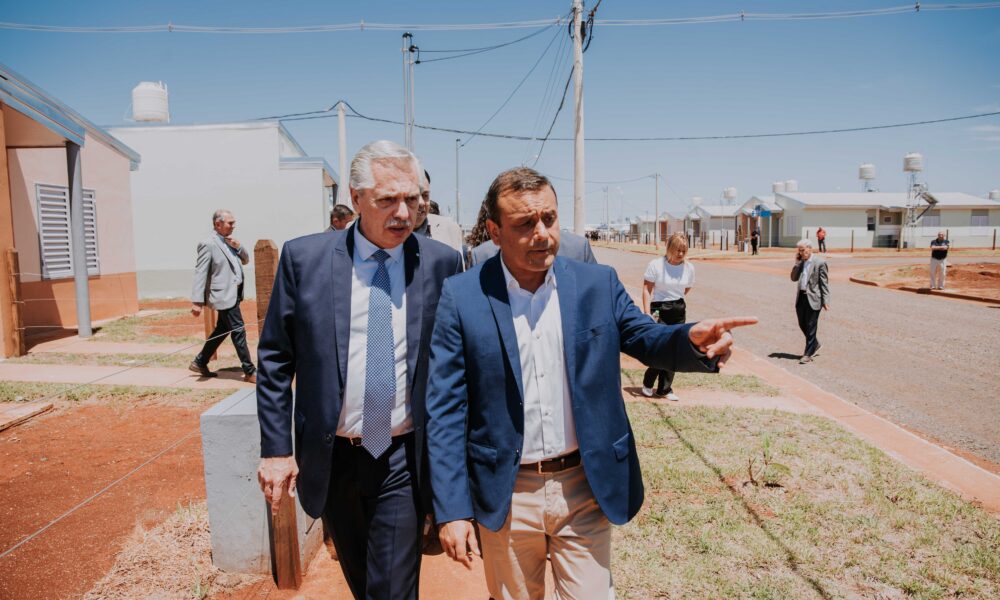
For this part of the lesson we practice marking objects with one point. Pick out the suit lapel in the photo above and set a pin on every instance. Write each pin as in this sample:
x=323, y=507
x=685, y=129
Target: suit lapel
x=341, y=282
x=414, y=277
x=566, y=288
x=495, y=288
x=226, y=252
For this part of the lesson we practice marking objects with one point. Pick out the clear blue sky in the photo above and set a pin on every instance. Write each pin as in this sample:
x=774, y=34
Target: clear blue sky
x=704, y=79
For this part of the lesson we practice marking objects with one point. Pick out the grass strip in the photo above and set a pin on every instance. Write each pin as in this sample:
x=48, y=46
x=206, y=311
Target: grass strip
x=839, y=518
x=737, y=384
x=25, y=391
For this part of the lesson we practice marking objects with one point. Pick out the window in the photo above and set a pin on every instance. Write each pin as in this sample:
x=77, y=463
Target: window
x=887, y=219
x=931, y=218
x=980, y=217
x=871, y=221
x=55, y=235
x=792, y=226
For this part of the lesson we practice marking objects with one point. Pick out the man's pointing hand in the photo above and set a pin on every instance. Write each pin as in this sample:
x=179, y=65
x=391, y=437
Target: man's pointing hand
x=712, y=336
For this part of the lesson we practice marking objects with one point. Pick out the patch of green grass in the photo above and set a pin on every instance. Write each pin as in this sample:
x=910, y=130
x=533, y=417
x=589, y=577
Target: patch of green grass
x=844, y=521
x=180, y=360
x=24, y=391
x=738, y=384
x=148, y=329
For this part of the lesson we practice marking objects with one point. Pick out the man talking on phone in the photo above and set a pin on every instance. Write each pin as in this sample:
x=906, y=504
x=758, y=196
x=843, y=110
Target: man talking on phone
x=813, y=295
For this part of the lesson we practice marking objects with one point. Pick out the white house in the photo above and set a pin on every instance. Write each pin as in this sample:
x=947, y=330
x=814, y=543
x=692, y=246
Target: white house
x=876, y=219
x=716, y=221
x=255, y=169
x=764, y=215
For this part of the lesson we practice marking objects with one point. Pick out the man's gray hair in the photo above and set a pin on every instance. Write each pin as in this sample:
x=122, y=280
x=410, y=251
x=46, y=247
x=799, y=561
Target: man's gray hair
x=361, y=166
x=804, y=243
x=219, y=214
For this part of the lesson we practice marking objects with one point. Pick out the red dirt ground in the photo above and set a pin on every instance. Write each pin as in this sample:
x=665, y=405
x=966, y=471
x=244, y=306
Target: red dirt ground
x=975, y=279
x=188, y=325
x=56, y=461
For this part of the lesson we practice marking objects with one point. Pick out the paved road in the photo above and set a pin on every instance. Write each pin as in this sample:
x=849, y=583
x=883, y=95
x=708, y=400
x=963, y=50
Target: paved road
x=928, y=363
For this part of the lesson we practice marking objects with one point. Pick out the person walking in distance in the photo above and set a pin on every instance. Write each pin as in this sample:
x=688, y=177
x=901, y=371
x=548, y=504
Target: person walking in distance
x=666, y=283
x=812, y=296
x=754, y=241
x=218, y=283
x=821, y=239
x=939, y=261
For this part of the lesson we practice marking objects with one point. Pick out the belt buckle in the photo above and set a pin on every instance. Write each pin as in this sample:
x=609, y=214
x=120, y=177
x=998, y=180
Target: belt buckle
x=355, y=441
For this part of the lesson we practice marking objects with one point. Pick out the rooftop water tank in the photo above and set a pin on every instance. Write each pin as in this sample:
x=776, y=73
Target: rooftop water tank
x=695, y=200
x=729, y=193
x=913, y=162
x=791, y=185
x=866, y=172
x=994, y=194
x=150, y=102
x=778, y=187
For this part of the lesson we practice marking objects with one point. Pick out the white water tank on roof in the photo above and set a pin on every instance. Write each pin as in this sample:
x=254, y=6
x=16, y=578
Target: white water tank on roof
x=695, y=200
x=994, y=194
x=150, y=102
x=778, y=187
x=791, y=185
x=866, y=172
x=729, y=193
x=913, y=162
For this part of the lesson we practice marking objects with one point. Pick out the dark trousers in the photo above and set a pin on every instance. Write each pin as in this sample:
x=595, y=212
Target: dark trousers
x=229, y=320
x=822, y=245
x=808, y=322
x=754, y=246
x=373, y=514
x=672, y=312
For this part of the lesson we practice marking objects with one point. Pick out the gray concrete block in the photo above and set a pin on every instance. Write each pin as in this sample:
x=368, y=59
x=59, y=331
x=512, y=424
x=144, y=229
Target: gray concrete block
x=237, y=513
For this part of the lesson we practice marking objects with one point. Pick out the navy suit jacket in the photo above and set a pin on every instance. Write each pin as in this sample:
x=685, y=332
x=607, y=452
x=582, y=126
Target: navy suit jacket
x=306, y=335
x=475, y=409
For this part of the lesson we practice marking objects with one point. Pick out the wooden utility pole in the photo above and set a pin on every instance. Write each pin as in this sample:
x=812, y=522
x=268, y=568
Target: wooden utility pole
x=579, y=184
x=656, y=210
x=16, y=323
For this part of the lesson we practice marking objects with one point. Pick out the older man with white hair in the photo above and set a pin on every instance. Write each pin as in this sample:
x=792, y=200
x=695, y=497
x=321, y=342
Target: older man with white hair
x=813, y=294
x=350, y=321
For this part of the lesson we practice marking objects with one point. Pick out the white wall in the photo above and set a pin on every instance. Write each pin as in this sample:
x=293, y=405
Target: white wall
x=189, y=172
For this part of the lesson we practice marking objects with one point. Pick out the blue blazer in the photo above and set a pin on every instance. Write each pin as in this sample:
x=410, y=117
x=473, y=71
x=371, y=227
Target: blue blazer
x=306, y=334
x=475, y=410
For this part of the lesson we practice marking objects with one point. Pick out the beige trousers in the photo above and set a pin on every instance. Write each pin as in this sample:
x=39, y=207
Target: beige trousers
x=552, y=514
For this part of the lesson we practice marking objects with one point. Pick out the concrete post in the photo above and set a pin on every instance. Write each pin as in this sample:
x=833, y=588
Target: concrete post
x=78, y=246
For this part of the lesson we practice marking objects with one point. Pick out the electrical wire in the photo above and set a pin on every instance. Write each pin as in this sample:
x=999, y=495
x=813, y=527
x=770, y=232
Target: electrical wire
x=554, y=119
x=474, y=51
x=648, y=139
x=516, y=88
x=742, y=16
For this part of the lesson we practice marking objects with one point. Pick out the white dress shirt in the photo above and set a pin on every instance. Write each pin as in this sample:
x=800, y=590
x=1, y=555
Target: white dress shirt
x=352, y=412
x=804, y=274
x=549, y=429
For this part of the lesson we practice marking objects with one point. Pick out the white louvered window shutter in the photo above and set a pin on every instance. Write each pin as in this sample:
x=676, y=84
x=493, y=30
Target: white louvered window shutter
x=55, y=235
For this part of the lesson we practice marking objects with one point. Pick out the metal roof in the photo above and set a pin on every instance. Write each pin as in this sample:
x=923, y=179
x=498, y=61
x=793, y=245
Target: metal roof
x=883, y=200
x=35, y=103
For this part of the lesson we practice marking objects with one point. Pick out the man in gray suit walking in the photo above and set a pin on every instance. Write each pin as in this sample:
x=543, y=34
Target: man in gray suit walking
x=218, y=282
x=813, y=295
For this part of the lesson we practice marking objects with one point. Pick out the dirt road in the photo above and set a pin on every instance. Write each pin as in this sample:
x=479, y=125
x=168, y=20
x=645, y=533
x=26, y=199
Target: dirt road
x=927, y=363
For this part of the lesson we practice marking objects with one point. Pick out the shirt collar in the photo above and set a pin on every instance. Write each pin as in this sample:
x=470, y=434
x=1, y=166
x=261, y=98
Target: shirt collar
x=550, y=277
x=364, y=249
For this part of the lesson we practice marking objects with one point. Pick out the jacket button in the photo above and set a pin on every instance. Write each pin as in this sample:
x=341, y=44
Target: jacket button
x=328, y=438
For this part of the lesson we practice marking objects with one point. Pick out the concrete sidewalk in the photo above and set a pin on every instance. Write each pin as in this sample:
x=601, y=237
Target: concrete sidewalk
x=140, y=376
x=75, y=345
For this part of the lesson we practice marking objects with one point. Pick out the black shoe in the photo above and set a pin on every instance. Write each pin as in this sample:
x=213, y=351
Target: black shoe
x=201, y=370
x=816, y=351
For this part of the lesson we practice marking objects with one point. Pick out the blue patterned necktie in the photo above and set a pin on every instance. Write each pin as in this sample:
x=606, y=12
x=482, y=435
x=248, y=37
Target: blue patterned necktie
x=380, y=369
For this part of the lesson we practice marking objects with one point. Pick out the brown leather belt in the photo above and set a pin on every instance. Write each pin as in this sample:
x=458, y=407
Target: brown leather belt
x=554, y=465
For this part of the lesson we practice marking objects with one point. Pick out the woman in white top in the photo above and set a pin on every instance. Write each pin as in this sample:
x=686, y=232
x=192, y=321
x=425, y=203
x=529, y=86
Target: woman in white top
x=667, y=280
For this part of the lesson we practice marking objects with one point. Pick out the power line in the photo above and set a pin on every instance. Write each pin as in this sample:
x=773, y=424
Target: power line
x=517, y=87
x=554, y=118
x=474, y=51
x=324, y=114
x=741, y=16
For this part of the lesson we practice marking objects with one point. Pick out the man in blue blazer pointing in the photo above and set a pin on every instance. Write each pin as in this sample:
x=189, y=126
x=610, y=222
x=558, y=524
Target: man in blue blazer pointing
x=350, y=320
x=527, y=432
